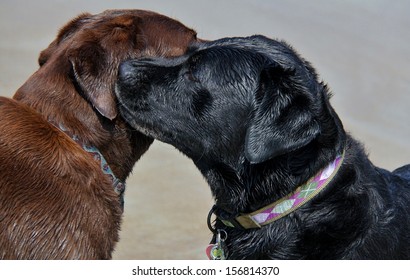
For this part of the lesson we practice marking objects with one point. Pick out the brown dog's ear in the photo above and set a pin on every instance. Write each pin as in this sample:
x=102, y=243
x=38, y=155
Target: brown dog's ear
x=95, y=75
x=65, y=32
x=95, y=67
x=282, y=119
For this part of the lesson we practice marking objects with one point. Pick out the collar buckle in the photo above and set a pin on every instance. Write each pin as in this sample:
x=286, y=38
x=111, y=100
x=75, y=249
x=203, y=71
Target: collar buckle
x=247, y=221
x=244, y=221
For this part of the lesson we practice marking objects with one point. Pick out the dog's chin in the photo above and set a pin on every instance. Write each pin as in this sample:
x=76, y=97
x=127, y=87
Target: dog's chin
x=138, y=122
x=132, y=119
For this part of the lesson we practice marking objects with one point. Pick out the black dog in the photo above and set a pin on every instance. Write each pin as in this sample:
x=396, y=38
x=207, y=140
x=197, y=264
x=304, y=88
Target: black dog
x=252, y=115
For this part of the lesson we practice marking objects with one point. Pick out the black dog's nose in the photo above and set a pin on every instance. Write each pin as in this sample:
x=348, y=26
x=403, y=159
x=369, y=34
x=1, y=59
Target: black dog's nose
x=125, y=69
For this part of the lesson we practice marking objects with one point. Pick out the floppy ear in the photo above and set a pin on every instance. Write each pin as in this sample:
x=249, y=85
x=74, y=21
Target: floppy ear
x=282, y=119
x=95, y=74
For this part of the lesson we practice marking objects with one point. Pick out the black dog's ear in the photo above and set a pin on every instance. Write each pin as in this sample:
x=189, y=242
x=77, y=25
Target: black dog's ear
x=282, y=119
x=95, y=75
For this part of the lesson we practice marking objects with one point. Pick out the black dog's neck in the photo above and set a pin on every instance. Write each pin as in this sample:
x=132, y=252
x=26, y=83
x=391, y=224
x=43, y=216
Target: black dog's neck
x=248, y=187
x=242, y=187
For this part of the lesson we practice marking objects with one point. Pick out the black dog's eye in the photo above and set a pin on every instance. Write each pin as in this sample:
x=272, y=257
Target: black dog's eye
x=191, y=68
x=190, y=74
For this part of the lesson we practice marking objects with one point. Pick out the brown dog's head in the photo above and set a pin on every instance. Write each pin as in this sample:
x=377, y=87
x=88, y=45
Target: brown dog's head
x=94, y=45
x=74, y=85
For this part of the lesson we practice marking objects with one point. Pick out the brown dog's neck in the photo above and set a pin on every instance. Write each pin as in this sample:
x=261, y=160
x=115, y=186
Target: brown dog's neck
x=60, y=103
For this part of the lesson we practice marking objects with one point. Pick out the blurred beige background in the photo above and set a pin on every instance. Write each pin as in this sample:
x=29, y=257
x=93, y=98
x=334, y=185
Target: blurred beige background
x=360, y=48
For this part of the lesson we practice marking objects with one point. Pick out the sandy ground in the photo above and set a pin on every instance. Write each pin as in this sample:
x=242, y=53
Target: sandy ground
x=360, y=48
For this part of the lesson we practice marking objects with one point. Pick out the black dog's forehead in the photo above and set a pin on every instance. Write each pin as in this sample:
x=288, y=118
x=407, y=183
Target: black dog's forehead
x=228, y=56
x=259, y=49
x=256, y=42
x=281, y=52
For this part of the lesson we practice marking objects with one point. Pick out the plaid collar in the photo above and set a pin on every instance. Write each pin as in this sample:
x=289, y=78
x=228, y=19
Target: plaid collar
x=287, y=204
x=118, y=185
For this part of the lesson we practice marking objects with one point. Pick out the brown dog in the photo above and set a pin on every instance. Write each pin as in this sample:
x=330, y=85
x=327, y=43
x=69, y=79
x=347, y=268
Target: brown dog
x=56, y=202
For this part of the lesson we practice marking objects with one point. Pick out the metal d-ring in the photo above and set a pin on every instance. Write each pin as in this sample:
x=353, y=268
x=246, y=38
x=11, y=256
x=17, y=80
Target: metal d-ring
x=208, y=220
x=222, y=235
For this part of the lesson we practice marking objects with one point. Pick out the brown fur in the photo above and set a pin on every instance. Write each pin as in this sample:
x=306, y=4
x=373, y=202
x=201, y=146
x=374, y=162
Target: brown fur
x=55, y=202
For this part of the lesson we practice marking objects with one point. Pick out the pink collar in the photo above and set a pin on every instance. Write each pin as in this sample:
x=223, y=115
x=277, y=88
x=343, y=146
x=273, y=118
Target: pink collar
x=289, y=203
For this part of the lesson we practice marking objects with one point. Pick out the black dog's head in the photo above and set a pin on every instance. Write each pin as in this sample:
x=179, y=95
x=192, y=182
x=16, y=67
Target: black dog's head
x=229, y=100
x=256, y=121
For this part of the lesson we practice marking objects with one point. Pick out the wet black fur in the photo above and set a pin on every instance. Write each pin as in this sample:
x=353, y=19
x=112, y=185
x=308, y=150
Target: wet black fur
x=252, y=115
